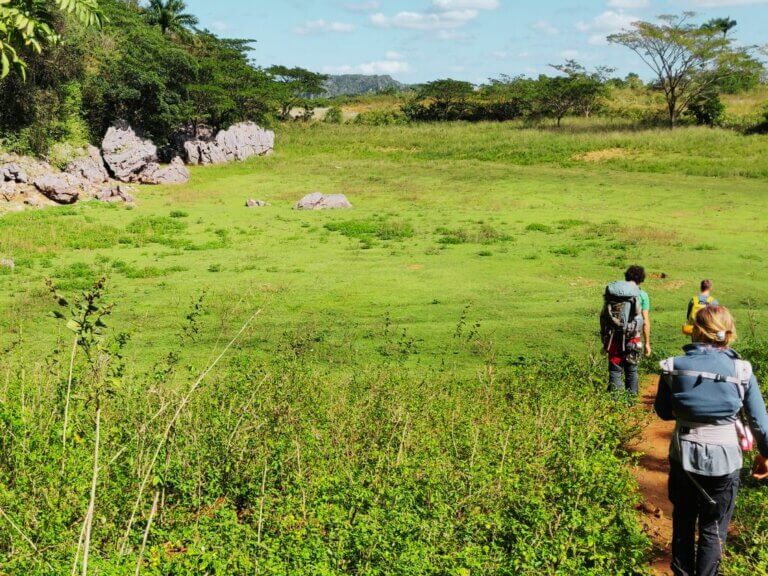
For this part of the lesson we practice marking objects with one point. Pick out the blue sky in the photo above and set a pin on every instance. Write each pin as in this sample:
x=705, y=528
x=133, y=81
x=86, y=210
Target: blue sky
x=419, y=40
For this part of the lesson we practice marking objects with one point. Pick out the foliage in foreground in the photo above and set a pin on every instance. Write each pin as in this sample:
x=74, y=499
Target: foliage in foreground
x=288, y=468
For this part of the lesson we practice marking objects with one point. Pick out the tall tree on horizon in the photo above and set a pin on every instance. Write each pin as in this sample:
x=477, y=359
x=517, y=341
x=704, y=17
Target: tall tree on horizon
x=688, y=59
x=724, y=25
x=171, y=16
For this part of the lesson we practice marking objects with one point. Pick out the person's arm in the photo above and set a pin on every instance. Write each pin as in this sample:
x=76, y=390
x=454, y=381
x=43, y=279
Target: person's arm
x=663, y=403
x=647, y=332
x=754, y=406
x=688, y=312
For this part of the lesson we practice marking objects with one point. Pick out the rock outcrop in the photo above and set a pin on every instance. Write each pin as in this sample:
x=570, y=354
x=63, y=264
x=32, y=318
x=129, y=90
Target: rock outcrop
x=91, y=168
x=12, y=172
x=125, y=154
x=173, y=173
x=318, y=201
x=62, y=188
x=239, y=142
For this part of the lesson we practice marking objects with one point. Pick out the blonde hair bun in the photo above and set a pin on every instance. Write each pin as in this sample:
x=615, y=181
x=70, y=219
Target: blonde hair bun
x=714, y=325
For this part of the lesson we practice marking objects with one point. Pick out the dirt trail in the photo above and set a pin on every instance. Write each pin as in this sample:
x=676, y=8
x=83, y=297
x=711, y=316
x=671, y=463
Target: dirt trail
x=651, y=474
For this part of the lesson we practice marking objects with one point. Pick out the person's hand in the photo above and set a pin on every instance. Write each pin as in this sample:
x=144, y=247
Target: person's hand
x=648, y=350
x=760, y=469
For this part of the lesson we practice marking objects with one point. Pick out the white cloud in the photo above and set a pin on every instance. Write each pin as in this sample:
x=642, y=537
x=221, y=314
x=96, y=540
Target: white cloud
x=465, y=4
x=219, y=26
x=442, y=15
x=323, y=26
x=545, y=27
x=609, y=22
x=629, y=4
x=369, y=6
x=570, y=54
x=425, y=20
x=724, y=3
x=375, y=67
x=393, y=63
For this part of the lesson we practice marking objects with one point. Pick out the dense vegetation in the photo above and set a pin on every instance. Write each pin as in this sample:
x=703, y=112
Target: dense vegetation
x=147, y=67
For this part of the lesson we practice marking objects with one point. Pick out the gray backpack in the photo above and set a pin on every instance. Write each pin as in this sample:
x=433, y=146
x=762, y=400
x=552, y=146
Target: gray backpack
x=621, y=319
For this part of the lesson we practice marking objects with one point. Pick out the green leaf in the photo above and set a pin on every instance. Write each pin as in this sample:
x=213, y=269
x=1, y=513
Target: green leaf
x=74, y=325
x=5, y=65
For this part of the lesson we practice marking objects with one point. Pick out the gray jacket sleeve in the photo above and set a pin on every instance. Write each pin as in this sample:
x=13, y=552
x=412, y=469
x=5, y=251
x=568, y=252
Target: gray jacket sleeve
x=754, y=406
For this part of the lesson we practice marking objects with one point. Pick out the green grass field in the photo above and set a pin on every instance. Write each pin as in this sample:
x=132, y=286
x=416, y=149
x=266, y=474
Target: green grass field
x=422, y=393
x=516, y=231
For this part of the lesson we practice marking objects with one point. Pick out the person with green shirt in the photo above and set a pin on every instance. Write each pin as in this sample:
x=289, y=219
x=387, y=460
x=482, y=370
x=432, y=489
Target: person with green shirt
x=623, y=354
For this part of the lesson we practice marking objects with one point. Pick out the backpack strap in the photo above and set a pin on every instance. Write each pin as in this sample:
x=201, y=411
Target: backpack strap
x=741, y=379
x=668, y=366
x=744, y=375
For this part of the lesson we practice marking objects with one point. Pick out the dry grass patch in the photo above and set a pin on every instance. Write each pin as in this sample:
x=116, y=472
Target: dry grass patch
x=603, y=155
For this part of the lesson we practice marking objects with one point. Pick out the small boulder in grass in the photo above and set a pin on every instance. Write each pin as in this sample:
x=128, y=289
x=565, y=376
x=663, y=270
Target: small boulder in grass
x=318, y=201
x=251, y=203
x=8, y=264
x=119, y=193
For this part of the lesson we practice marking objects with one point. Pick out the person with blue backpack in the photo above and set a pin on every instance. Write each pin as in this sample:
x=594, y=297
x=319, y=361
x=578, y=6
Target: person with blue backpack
x=715, y=399
x=625, y=329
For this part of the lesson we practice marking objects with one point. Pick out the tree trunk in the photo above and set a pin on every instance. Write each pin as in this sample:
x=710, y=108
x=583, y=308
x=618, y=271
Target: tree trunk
x=672, y=102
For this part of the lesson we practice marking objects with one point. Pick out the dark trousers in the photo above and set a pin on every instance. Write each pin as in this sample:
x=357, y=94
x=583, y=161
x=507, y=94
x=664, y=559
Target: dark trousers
x=629, y=371
x=690, y=507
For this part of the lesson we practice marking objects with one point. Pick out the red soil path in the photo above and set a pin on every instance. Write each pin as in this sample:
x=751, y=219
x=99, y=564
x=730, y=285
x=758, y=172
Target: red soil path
x=651, y=473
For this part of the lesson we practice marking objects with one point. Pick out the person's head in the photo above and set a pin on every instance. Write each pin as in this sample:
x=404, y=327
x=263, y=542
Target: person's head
x=635, y=274
x=706, y=286
x=714, y=325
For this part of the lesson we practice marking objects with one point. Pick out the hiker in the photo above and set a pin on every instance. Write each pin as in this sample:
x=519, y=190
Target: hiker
x=701, y=300
x=716, y=400
x=624, y=318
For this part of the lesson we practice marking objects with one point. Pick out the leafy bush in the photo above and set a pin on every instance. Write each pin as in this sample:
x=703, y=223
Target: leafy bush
x=380, y=118
x=294, y=469
x=334, y=115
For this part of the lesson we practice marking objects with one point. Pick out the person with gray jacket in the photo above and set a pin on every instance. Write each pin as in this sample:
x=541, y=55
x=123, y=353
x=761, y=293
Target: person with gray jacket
x=719, y=410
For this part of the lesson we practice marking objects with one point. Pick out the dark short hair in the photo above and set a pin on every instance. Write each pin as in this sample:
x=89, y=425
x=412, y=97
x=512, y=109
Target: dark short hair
x=635, y=274
x=706, y=285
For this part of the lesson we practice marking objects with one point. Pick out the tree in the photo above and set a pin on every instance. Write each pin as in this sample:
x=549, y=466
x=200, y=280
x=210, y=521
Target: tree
x=27, y=26
x=686, y=59
x=170, y=15
x=575, y=90
x=294, y=89
x=446, y=91
x=722, y=25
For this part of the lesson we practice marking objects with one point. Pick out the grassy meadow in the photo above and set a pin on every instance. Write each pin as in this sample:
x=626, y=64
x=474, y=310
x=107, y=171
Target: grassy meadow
x=422, y=392
x=516, y=231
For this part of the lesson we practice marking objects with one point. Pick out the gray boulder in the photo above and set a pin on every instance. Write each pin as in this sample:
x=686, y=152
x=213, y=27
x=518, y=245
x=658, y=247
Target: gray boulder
x=251, y=203
x=61, y=188
x=119, y=193
x=8, y=263
x=91, y=169
x=173, y=173
x=12, y=172
x=318, y=201
x=238, y=142
x=8, y=190
x=125, y=154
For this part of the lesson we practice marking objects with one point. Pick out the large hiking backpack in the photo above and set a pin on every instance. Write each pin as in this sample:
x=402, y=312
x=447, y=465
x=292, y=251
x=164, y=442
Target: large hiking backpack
x=621, y=319
x=741, y=379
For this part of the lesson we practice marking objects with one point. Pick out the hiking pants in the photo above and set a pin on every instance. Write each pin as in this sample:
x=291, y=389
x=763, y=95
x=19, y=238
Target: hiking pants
x=615, y=371
x=690, y=506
